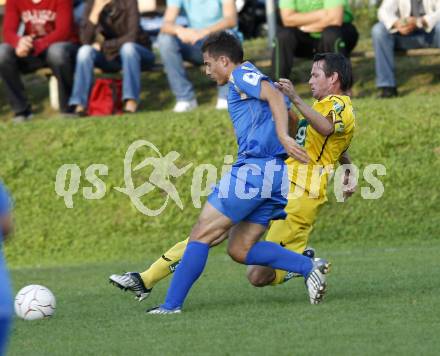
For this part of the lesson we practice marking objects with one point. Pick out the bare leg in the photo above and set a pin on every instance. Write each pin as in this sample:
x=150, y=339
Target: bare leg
x=211, y=226
x=241, y=239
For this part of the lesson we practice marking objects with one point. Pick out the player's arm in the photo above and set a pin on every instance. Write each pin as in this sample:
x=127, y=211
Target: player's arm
x=6, y=225
x=293, y=123
x=324, y=125
x=279, y=112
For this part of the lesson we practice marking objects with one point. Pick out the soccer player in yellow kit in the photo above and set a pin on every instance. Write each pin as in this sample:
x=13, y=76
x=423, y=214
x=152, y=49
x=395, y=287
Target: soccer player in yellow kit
x=325, y=130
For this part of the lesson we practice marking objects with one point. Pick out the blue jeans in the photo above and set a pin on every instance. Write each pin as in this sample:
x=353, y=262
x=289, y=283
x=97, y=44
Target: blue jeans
x=385, y=43
x=173, y=52
x=78, y=11
x=133, y=58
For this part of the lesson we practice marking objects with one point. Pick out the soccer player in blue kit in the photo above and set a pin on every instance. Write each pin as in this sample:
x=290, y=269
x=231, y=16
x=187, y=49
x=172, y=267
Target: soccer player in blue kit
x=255, y=191
x=5, y=287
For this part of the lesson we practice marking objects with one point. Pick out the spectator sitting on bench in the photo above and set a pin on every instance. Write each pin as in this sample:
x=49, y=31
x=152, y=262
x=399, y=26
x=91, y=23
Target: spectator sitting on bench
x=178, y=44
x=112, y=40
x=48, y=41
x=403, y=24
x=310, y=27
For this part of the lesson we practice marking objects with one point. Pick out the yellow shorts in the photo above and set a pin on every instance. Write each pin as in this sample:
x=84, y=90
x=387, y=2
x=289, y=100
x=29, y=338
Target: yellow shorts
x=293, y=232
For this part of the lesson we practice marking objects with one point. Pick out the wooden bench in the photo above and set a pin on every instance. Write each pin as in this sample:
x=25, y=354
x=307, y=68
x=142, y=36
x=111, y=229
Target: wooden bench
x=419, y=52
x=356, y=55
x=53, y=83
x=259, y=62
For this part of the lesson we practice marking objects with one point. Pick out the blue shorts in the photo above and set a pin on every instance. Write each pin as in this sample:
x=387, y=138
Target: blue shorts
x=255, y=190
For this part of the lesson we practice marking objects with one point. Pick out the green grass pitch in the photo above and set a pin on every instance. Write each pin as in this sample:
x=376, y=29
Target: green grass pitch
x=381, y=301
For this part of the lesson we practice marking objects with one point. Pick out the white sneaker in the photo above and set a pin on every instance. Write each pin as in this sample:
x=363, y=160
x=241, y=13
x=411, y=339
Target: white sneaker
x=184, y=106
x=222, y=104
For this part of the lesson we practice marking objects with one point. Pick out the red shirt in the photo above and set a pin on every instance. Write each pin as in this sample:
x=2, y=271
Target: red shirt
x=48, y=21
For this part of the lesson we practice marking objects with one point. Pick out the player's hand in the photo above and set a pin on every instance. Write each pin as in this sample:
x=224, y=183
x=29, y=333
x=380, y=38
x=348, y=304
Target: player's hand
x=349, y=186
x=24, y=46
x=287, y=88
x=294, y=150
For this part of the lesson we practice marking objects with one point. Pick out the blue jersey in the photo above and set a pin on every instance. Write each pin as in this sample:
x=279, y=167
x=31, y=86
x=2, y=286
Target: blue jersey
x=252, y=118
x=4, y=206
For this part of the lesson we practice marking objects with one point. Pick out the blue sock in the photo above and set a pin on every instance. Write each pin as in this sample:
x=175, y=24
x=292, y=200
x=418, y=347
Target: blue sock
x=5, y=324
x=190, y=268
x=265, y=253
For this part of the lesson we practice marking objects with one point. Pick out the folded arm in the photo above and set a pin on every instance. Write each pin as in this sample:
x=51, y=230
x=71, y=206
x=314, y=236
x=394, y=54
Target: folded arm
x=333, y=17
x=314, y=20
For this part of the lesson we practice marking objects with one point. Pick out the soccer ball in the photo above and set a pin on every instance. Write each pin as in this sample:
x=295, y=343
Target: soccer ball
x=34, y=302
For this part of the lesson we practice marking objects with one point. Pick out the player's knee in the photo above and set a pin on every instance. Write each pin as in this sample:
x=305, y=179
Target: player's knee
x=237, y=253
x=256, y=278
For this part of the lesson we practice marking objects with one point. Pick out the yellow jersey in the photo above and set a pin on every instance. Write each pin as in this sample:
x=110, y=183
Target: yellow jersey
x=324, y=151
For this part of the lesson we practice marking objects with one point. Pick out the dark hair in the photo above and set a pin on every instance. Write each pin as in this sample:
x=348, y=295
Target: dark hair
x=336, y=63
x=223, y=44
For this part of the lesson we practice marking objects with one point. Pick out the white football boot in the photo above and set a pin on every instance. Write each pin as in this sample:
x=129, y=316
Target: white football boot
x=316, y=280
x=132, y=282
x=160, y=310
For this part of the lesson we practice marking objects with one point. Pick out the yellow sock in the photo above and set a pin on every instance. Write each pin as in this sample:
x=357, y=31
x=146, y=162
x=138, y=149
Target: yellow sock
x=165, y=265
